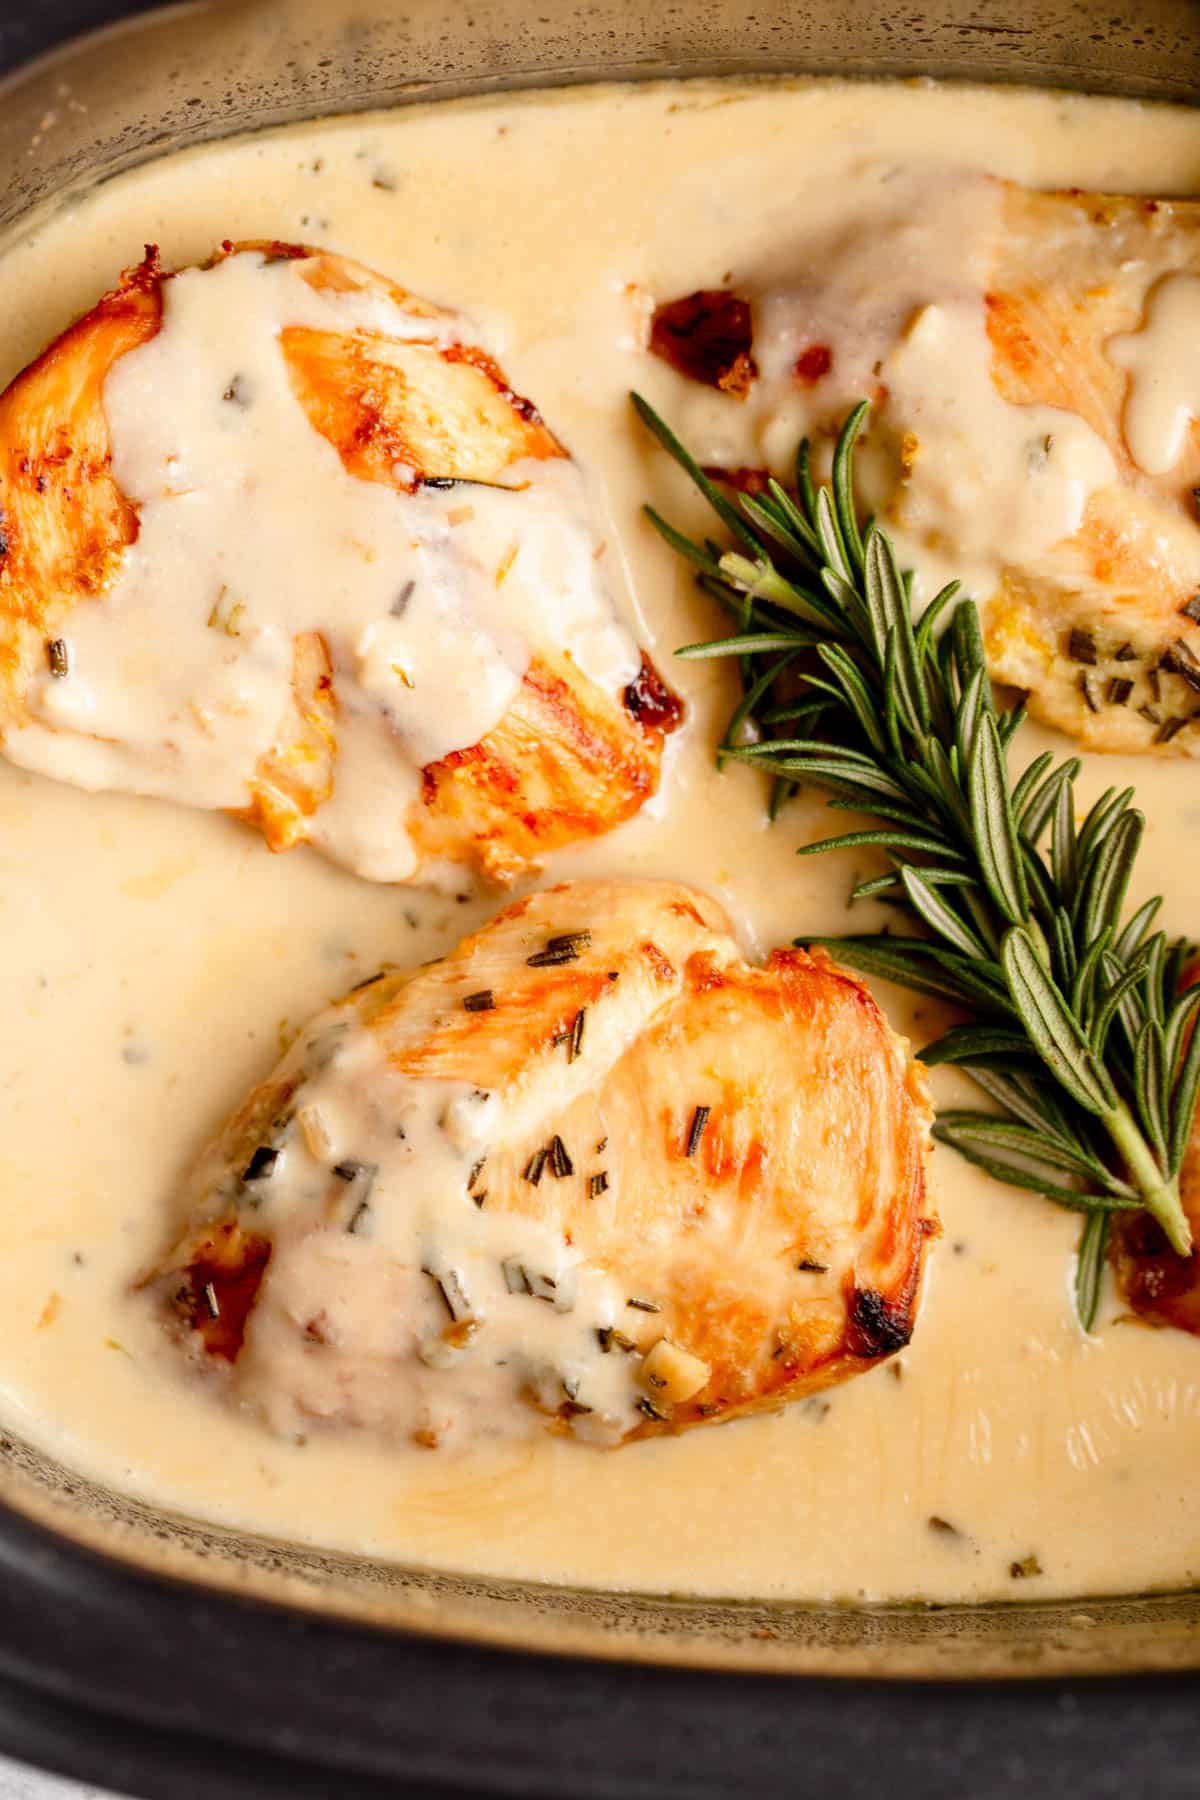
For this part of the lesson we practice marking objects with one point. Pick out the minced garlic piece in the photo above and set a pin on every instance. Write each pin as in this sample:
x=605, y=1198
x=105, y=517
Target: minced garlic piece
x=671, y=1373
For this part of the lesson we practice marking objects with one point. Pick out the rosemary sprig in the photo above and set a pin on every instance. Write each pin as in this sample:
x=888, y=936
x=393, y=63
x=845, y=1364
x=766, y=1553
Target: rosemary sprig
x=1076, y=1027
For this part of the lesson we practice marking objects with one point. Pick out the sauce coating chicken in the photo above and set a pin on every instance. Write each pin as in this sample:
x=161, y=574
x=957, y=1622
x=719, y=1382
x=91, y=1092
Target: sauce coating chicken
x=1033, y=362
x=590, y=1171
x=277, y=538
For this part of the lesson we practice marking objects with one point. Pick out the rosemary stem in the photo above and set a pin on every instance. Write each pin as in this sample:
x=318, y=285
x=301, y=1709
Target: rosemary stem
x=902, y=726
x=1159, y=1196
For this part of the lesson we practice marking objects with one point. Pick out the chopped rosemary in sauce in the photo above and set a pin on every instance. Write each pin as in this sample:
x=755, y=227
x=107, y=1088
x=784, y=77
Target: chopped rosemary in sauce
x=1081, y=646
x=262, y=1164
x=356, y=1171
x=551, y=959
x=483, y=1001
x=1179, y=659
x=1148, y=713
x=532, y=1171
x=559, y=950
x=641, y=1304
x=360, y=1178
x=58, y=656
x=1024, y=1567
x=570, y=940
x=696, y=1132
x=367, y=981
x=943, y=1526
x=558, y=1291
x=612, y=1339
x=652, y=1410
x=560, y=1163
x=449, y=1284
x=575, y=1039
x=570, y=1387
x=514, y=1275
x=811, y=1267
x=402, y=599
x=1088, y=691
x=1125, y=653
x=597, y=1184
x=1119, y=690
x=1168, y=729
x=1192, y=609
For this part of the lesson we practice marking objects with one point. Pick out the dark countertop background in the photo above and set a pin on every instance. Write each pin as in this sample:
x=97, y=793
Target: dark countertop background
x=27, y=26
x=687, y=1737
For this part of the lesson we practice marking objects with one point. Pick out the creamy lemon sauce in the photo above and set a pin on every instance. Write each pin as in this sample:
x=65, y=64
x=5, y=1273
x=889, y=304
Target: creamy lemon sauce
x=1163, y=360
x=153, y=955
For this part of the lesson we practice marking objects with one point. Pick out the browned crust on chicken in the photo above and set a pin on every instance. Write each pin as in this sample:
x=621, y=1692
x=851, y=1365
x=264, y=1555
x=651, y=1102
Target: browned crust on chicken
x=461, y=421
x=551, y=773
x=220, y=1285
x=781, y=1231
x=401, y=413
x=64, y=523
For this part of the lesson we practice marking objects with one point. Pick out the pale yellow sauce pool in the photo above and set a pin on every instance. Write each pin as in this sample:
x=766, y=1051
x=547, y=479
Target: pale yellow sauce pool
x=151, y=953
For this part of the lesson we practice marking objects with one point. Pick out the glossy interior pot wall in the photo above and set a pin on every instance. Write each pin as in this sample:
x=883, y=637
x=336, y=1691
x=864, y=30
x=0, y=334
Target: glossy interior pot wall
x=201, y=71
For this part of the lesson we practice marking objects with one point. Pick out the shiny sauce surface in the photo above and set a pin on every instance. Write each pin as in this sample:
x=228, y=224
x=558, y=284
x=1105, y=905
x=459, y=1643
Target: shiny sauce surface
x=154, y=958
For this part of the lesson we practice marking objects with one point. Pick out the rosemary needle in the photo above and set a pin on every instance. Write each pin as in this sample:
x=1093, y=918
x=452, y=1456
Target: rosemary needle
x=1077, y=1029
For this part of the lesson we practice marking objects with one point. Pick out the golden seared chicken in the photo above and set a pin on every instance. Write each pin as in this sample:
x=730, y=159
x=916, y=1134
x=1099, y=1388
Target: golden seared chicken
x=276, y=537
x=590, y=1170
x=1035, y=363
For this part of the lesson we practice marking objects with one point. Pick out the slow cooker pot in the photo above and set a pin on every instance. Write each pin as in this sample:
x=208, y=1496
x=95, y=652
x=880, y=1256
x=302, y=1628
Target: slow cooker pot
x=169, y=1657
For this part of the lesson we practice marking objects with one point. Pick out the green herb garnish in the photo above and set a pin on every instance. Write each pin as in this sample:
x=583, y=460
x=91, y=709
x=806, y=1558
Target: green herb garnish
x=1077, y=1029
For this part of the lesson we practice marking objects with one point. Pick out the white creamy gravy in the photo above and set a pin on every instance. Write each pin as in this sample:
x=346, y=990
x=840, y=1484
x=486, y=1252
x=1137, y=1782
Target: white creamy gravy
x=153, y=951
x=1163, y=360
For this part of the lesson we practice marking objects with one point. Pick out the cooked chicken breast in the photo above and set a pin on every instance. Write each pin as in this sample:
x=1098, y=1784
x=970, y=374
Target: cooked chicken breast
x=1032, y=359
x=590, y=1171
x=277, y=537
